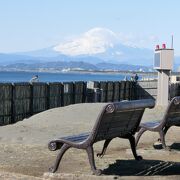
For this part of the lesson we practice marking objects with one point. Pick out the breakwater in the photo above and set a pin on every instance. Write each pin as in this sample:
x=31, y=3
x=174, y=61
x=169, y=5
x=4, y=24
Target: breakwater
x=22, y=100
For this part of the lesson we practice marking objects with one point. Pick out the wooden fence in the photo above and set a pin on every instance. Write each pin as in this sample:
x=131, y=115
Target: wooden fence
x=21, y=100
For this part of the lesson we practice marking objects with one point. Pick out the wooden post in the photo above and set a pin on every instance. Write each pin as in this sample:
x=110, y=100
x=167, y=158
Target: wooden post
x=84, y=92
x=133, y=89
x=110, y=91
x=116, y=91
x=55, y=95
x=96, y=92
x=127, y=90
x=13, y=105
x=6, y=108
x=103, y=88
x=62, y=94
x=122, y=90
x=21, y=96
x=79, y=92
x=48, y=96
x=69, y=96
x=89, y=95
x=39, y=97
x=31, y=99
x=130, y=90
x=91, y=86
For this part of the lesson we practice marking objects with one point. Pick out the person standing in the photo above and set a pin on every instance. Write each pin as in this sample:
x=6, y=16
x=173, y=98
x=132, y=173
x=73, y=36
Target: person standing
x=136, y=77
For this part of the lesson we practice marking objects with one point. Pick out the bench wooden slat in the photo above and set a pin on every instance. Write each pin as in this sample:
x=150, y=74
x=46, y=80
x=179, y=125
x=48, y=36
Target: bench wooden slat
x=151, y=124
x=76, y=138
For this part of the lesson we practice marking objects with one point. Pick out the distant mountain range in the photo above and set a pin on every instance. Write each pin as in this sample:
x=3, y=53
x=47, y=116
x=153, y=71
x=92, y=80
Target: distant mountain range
x=49, y=58
x=60, y=66
x=97, y=49
x=117, y=54
x=27, y=61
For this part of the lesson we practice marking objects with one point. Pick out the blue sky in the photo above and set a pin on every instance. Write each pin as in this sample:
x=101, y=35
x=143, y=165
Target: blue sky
x=35, y=24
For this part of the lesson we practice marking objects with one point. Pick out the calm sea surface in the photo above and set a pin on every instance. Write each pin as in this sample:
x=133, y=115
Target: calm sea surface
x=57, y=77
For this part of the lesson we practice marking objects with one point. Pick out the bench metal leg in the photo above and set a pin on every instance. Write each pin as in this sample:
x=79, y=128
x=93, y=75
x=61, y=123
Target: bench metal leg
x=133, y=148
x=141, y=131
x=54, y=168
x=106, y=143
x=90, y=153
x=162, y=137
x=166, y=129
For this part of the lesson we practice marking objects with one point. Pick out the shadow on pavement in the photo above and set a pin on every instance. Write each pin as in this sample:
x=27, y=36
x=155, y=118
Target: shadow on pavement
x=175, y=146
x=142, y=168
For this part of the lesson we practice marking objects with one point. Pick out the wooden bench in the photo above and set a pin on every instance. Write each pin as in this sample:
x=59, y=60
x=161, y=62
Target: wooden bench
x=119, y=119
x=170, y=118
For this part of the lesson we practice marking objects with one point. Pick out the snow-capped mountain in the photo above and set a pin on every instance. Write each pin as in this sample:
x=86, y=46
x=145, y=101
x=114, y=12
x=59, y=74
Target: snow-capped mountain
x=106, y=45
x=92, y=42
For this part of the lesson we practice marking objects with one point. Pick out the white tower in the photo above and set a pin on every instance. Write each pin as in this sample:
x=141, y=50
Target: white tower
x=163, y=63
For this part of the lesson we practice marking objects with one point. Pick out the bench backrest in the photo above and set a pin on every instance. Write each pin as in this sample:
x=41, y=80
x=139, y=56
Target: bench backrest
x=120, y=119
x=172, y=114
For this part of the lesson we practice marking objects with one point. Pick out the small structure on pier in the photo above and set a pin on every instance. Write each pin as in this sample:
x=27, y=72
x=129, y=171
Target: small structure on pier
x=163, y=63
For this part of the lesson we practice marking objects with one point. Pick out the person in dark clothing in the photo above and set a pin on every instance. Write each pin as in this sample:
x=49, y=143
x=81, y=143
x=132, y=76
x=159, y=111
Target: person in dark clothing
x=136, y=78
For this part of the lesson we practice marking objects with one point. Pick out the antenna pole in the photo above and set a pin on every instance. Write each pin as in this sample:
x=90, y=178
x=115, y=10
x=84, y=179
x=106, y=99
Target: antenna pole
x=172, y=41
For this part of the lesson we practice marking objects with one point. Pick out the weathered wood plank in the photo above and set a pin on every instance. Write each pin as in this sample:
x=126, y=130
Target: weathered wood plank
x=5, y=103
x=55, y=95
x=69, y=95
x=127, y=90
x=90, y=92
x=116, y=91
x=103, y=88
x=79, y=90
x=122, y=90
x=39, y=97
x=21, y=101
x=110, y=91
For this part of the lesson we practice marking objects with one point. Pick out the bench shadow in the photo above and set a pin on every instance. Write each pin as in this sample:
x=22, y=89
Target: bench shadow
x=142, y=168
x=175, y=146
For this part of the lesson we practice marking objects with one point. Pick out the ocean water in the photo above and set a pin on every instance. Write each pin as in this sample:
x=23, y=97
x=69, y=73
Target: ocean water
x=58, y=77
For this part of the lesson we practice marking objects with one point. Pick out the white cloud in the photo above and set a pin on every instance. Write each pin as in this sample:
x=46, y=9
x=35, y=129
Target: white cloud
x=119, y=53
x=95, y=41
x=136, y=40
